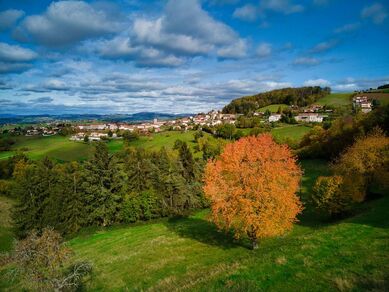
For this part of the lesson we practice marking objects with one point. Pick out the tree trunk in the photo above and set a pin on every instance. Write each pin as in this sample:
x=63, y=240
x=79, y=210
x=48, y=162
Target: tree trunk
x=254, y=243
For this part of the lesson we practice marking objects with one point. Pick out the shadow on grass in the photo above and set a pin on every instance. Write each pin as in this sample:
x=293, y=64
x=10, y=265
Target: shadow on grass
x=203, y=231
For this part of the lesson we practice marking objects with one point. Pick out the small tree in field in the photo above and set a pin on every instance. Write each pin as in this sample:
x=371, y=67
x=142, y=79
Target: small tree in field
x=252, y=188
x=44, y=263
x=329, y=196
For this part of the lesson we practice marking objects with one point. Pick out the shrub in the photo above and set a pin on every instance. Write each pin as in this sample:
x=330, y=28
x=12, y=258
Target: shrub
x=329, y=196
x=44, y=263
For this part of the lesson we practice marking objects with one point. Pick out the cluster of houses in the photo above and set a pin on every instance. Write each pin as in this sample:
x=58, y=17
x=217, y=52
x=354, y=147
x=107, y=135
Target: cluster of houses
x=212, y=118
x=96, y=132
x=302, y=117
x=41, y=131
x=363, y=103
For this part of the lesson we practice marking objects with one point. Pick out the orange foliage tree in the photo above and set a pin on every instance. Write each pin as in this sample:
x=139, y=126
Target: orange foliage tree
x=252, y=188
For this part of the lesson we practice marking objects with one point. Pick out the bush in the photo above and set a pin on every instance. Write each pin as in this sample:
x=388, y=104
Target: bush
x=44, y=263
x=329, y=196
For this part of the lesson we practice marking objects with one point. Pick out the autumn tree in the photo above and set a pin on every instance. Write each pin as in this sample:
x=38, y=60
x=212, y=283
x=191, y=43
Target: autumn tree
x=45, y=263
x=328, y=195
x=362, y=166
x=365, y=164
x=252, y=188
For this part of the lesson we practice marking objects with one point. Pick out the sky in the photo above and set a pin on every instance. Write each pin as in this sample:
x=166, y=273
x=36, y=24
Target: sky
x=183, y=56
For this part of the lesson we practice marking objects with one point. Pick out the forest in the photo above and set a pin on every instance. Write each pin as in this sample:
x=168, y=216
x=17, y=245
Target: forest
x=300, y=96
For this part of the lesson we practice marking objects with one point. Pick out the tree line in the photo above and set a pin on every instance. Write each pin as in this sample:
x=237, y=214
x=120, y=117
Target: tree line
x=129, y=186
x=301, y=96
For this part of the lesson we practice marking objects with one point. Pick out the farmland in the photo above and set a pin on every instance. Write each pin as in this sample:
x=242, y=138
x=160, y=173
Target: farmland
x=62, y=149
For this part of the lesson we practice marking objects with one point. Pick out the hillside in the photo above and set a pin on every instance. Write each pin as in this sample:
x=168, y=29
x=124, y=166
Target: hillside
x=189, y=254
x=301, y=96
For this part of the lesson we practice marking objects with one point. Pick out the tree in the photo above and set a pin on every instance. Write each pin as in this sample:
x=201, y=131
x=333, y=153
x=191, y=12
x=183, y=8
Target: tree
x=226, y=131
x=129, y=136
x=45, y=263
x=86, y=138
x=365, y=164
x=252, y=188
x=186, y=158
x=329, y=196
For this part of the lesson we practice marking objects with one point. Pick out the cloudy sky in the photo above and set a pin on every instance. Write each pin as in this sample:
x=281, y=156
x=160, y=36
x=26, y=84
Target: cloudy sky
x=182, y=56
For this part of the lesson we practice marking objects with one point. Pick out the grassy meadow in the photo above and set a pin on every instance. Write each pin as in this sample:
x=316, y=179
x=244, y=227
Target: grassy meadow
x=273, y=107
x=190, y=254
x=335, y=99
x=55, y=147
x=292, y=132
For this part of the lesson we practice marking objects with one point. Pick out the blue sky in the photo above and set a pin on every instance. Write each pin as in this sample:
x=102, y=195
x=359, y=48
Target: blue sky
x=183, y=56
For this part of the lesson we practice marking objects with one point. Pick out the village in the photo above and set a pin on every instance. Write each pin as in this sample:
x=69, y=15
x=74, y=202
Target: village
x=112, y=130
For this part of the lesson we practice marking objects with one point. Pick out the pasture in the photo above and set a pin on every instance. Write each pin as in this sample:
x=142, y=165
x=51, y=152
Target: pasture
x=190, y=254
x=335, y=99
x=56, y=147
x=273, y=107
x=291, y=132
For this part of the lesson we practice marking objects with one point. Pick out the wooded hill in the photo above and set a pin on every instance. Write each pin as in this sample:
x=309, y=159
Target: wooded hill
x=301, y=96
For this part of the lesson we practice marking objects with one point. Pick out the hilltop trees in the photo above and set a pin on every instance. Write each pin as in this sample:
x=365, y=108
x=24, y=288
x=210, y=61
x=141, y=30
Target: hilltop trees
x=292, y=96
x=252, y=188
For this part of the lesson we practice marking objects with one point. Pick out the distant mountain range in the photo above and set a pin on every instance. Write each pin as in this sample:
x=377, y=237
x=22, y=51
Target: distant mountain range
x=130, y=118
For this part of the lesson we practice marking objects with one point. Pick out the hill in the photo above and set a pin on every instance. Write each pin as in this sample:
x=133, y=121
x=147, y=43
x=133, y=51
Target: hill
x=301, y=96
x=335, y=99
x=189, y=254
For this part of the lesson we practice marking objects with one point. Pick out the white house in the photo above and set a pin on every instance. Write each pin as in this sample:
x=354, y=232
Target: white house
x=309, y=118
x=274, y=118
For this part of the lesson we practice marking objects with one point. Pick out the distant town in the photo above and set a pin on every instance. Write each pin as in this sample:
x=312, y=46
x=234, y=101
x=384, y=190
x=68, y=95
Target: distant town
x=95, y=131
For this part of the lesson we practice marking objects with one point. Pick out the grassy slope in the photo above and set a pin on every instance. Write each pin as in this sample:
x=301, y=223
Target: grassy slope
x=273, y=107
x=293, y=132
x=188, y=253
x=61, y=148
x=6, y=238
x=335, y=99
x=56, y=147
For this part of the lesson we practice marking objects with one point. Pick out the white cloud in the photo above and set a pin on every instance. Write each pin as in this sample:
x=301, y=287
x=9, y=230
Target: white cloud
x=264, y=50
x=13, y=53
x=9, y=17
x=347, y=28
x=376, y=12
x=247, y=12
x=171, y=39
x=317, y=82
x=65, y=22
x=306, y=61
x=324, y=46
x=236, y=50
x=346, y=87
x=282, y=6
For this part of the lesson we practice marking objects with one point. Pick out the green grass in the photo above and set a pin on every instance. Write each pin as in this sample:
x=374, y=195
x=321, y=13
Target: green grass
x=189, y=254
x=55, y=147
x=164, y=139
x=273, y=107
x=292, y=132
x=6, y=236
x=335, y=99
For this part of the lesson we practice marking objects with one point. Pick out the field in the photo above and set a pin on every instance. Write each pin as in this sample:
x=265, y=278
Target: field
x=189, y=254
x=165, y=139
x=335, y=99
x=55, y=147
x=382, y=97
x=273, y=107
x=292, y=132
